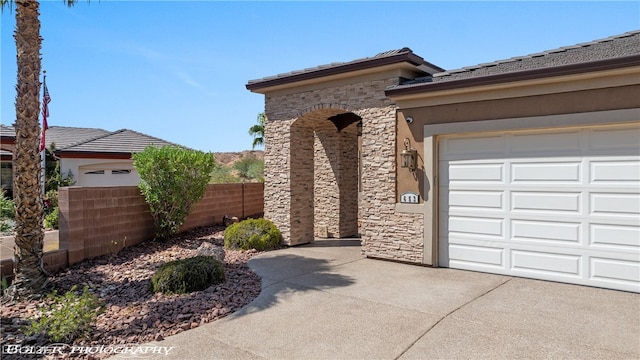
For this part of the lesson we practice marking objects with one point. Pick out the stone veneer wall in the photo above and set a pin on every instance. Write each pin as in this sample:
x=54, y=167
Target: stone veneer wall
x=386, y=233
x=294, y=135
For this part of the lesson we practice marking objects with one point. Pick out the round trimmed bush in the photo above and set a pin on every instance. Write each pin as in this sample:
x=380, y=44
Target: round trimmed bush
x=187, y=275
x=259, y=234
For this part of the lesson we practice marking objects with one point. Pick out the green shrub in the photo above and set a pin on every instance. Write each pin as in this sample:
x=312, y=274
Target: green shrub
x=51, y=198
x=4, y=284
x=259, y=234
x=222, y=175
x=6, y=226
x=7, y=207
x=187, y=275
x=67, y=317
x=250, y=169
x=173, y=179
x=51, y=219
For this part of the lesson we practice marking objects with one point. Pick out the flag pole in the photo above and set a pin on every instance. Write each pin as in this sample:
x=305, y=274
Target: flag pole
x=43, y=147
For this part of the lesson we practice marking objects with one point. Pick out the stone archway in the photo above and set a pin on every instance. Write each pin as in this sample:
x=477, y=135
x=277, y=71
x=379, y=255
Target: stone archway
x=323, y=175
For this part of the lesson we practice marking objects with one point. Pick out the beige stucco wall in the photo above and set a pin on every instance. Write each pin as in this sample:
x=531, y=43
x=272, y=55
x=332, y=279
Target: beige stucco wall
x=79, y=167
x=608, y=97
x=581, y=101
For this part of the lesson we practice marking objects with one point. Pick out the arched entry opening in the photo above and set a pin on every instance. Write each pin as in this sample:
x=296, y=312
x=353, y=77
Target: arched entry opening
x=324, y=164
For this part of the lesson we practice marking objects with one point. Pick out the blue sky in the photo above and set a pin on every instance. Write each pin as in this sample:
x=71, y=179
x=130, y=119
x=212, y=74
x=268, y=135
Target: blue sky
x=178, y=69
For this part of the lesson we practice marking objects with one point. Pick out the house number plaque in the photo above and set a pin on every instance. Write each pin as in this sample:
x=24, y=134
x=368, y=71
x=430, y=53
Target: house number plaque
x=410, y=197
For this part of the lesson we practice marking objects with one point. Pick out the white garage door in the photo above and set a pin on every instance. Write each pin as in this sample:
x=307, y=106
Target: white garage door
x=561, y=205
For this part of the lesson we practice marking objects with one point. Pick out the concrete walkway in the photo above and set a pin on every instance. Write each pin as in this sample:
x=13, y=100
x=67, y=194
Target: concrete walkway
x=325, y=301
x=8, y=242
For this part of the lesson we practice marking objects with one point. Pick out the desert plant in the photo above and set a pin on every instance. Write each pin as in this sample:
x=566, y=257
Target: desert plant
x=7, y=207
x=4, y=284
x=222, y=175
x=259, y=234
x=67, y=317
x=51, y=199
x=7, y=214
x=173, y=179
x=257, y=130
x=51, y=219
x=250, y=169
x=187, y=275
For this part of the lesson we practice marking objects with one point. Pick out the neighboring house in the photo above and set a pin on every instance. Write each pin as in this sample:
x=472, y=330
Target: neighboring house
x=527, y=167
x=93, y=157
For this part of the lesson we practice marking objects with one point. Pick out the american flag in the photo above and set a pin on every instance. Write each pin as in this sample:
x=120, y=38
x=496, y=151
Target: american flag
x=46, y=99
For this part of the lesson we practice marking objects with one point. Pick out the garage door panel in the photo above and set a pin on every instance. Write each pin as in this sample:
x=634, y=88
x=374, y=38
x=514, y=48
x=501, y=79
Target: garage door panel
x=476, y=173
x=489, y=200
x=494, y=144
x=615, y=172
x=554, y=205
x=561, y=142
x=483, y=256
x=615, y=236
x=607, y=270
x=551, y=172
x=614, y=139
x=550, y=232
x=545, y=201
x=604, y=204
x=533, y=262
x=477, y=226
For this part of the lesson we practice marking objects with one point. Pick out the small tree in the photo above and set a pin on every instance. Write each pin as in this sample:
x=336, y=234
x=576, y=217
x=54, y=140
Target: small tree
x=250, y=169
x=257, y=130
x=173, y=179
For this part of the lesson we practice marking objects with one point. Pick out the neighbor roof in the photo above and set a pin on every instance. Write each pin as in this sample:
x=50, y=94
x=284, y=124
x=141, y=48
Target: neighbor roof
x=384, y=58
x=7, y=131
x=61, y=136
x=121, y=142
x=612, y=52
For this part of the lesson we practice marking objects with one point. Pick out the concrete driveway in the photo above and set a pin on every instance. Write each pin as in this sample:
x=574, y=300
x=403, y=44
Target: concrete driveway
x=326, y=301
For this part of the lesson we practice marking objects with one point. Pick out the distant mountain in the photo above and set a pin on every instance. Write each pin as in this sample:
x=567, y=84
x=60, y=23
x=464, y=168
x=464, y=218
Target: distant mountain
x=230, y=158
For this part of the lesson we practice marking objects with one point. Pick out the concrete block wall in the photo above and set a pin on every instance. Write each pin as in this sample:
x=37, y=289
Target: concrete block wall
x=96, y=221
x=253, y=200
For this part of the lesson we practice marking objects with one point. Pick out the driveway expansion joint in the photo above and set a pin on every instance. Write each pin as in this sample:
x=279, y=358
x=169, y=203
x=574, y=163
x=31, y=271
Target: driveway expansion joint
x=448, y=315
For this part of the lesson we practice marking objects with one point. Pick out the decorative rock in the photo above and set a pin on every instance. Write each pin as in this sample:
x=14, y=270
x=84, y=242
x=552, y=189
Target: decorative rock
x=208, y=249
x=133, y=315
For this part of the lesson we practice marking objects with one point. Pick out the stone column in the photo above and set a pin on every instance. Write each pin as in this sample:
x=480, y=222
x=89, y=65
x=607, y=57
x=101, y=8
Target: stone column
x=301, y=185
x=336, y=182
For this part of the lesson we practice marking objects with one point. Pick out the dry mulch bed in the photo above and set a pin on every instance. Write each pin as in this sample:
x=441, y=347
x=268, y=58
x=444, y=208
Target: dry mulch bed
x=133, y=314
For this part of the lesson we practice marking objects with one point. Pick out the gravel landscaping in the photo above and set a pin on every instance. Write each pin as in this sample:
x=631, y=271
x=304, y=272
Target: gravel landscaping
x=134, y=315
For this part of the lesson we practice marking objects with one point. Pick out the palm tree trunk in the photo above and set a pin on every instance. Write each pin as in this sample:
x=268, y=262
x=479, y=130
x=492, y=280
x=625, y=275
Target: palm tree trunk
x=30, y=276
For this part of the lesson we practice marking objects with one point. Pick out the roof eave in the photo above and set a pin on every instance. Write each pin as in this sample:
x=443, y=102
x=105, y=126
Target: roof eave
x=572, y=69
x=93, y=155
x=409, y=57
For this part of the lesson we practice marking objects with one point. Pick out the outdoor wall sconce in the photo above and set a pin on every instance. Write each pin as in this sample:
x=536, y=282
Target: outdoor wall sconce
x=409, y=156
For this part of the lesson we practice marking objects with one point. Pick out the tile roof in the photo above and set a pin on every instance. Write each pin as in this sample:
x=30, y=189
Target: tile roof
x=384, y=58
x=618, y=46
x=61, y=136
x=91, y=140
x=7, y=131
x=123, y=141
